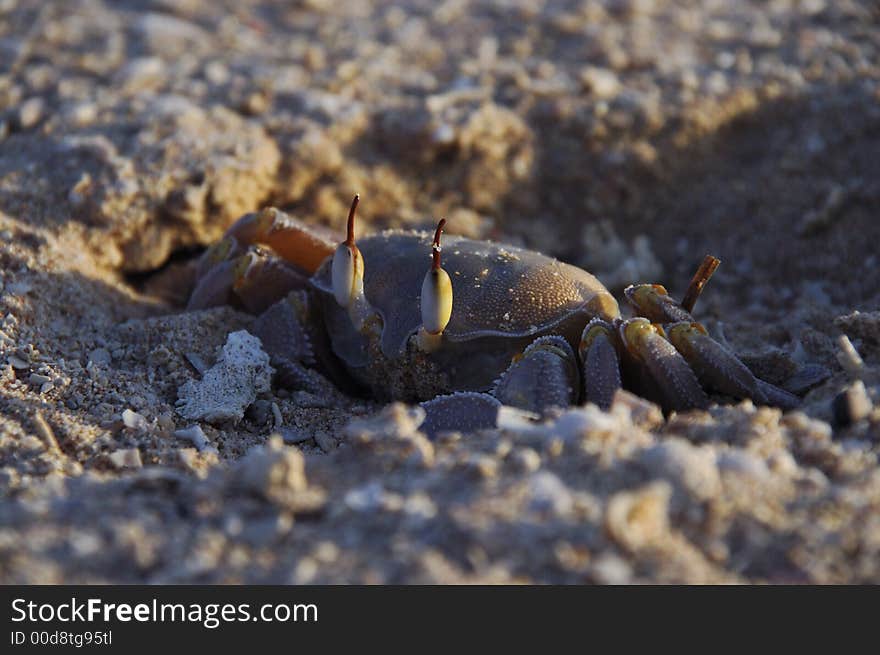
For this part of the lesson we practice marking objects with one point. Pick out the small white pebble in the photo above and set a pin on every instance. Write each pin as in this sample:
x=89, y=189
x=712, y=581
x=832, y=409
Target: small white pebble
x=39, y=380
x=325, y=442
x=195, y=435
x=526, y=459
x=548, y=493
x=366, y=498
x=127, y=458
x=276, y=414
x=17, y=362
x=603, y=83
x=134, y=420
x=100, y=357
x=30, y=112
x=849, y=357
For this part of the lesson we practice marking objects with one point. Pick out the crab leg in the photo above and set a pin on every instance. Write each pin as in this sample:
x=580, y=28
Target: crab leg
x=653, y=302
x=601, y=366
x=778, y=397
x=545, y=375
x=464, y=411
x=647, y=343
x=213, y=288
x=715, y=366
x=297, y=243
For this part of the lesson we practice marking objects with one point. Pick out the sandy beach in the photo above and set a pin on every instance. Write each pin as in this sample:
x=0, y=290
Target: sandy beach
x=628, y=137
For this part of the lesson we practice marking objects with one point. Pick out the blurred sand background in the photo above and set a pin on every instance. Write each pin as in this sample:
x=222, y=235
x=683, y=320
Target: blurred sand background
x=630, y=137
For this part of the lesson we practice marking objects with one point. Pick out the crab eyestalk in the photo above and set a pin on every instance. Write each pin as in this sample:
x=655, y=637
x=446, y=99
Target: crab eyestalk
x=436, y=298
x=347, y=273
x=695, y=288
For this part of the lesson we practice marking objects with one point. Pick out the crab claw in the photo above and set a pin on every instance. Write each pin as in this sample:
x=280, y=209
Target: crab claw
x=252, y=278
x=226, y=249
x=258, y=280
x=297, y=243
x=215, y=275
x=716, y=366
x=601, y=367
x=544, y=376
x=213, y=288
x=647, y=343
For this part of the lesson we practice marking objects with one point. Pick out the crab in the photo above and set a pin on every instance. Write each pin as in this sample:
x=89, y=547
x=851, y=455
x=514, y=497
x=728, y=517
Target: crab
x=467, y=327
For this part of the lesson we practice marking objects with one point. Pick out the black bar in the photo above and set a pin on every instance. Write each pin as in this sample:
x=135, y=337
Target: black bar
x=378, y=616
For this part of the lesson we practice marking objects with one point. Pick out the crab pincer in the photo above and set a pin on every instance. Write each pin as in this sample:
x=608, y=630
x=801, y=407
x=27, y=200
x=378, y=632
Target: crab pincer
x=253, y=265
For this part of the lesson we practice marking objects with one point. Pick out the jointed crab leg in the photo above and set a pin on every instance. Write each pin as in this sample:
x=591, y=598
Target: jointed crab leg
x=295, y=242
x=599, y=359
x=715, y=366
x=647, y=343
x=545, y=375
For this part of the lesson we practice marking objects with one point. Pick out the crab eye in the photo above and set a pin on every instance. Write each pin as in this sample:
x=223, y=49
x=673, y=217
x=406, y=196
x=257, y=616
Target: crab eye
x=436, y=298
x=436, y=301
x=347, y=271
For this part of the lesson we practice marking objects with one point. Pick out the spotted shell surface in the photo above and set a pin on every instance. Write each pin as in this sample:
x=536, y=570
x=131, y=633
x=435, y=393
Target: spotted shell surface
x=498, y=289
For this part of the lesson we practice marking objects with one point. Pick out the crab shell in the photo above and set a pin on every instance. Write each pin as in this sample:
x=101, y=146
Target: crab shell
x=503, y=299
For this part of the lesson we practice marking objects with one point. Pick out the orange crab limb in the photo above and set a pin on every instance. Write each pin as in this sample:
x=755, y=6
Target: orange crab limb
x=294, y=241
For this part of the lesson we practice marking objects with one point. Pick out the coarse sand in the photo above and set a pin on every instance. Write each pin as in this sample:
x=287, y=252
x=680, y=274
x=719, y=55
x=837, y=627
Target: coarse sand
x=629, y=137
